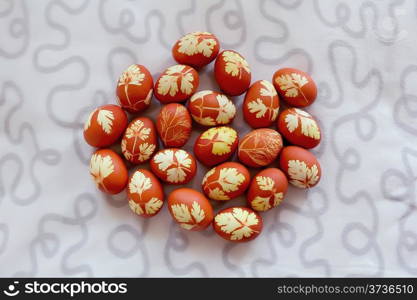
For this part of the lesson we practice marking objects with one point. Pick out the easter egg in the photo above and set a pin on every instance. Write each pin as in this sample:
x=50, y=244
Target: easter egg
x=216, y=145
x=301, y=166
x=196, y=49
x=108, y=171
x=105, y=125
x=232, y=73
x=145, y=193
x=174, y=124
x=226, y=181
x=134, y=89
x=190, y=209
x=175, y=166
x=209, y=108
x=295, y=87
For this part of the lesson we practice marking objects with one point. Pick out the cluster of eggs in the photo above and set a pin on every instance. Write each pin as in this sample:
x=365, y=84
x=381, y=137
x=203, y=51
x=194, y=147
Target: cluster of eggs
x=226, y=180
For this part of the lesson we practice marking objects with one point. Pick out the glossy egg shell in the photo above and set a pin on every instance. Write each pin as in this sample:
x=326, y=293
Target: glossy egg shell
x=134, y=88
x=301, y=166
x=196, y=49
x=174, y=124
x=176, y=84
x=295, y=87
x=175, y=166
x=209, y=108
x=145, y=193
x=108, y=171
x=260, y=147
x=267, y=189
x=232, y=73
x=226, y=181
x=190, y=209
x=299, y=128
x=139, y=141
x=216, y=145
x=105, y=125
x=238, y=224
x=261, y=104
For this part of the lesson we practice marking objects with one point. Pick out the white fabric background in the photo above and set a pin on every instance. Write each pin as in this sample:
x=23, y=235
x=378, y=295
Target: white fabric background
x=60, y=59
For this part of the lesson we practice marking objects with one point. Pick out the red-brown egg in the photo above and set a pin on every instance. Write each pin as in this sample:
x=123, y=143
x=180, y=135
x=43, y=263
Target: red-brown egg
x=216, y=145
x=190, y=209
x=301, y=166
x=226, y=181
x=209, y=108
x=261, y=104
x=267, y=189
x=238, y=224
x=139, y=141
x=145, y=193
x=196, y=49
x=232, y=73
x=260, y=147
x=299, y=128
x=105, y=125
x=174, y=125
x=134, y=88
x=176, y=84
x=175, y=166
x=108, y=171
x=295, y=87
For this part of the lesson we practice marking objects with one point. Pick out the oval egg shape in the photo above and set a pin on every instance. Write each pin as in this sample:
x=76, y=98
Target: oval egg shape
x=145, y=193
x=108, y=171
x=196, y=49
x=190, y=209
x=174, y=166
x=174, y=124
x=301, y=167
x=139, y=141
x=232, y=73
x=105, y=125
x=267, y=189
x=238, y=224
x=209, y=108
x=260, y=147
x=261, y=104
x=295, y=87
x=176, y=84
x=135, y=88
x=216, y=145
x=226, y=181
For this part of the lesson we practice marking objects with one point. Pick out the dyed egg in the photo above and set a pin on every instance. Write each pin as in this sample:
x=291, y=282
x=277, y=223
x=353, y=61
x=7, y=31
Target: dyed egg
x=196, y=49
x=174, y=166
x=226, y=181
x=260, y=147
x=145, y=193
x=301, y=166
x=232, y=73
x=216, y=145
x=238, y=224
x=139, y=141
x=261, y=104
x=105, y=125
x=176, y=84
x=108, y=171
x=267, y=189
x=174, y=125
x=190, y=209
x=295, y=87
x=209, y=108
x=134, y=89
x=299, y=128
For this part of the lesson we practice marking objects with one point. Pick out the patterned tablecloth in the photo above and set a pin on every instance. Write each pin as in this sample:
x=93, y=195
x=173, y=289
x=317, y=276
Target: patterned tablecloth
x=59, y=59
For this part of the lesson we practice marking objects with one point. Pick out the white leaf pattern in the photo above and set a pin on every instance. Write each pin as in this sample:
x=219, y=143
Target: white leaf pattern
x=100, y=168
x=105, y=120
x=301, y=175
x=237, y=223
